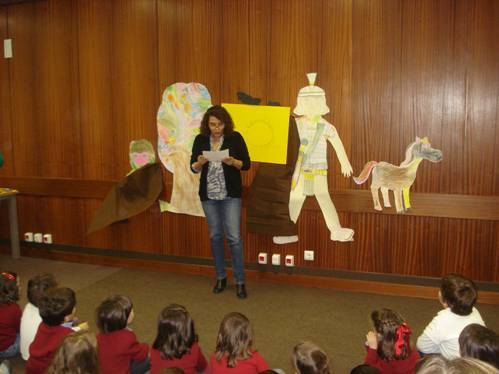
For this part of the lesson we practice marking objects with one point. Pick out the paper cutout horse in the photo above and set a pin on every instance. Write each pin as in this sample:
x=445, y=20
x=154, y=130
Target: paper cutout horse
x=399, y=179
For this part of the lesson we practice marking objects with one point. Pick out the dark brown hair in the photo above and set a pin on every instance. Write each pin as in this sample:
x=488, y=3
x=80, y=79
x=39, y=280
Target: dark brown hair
x=77, y=354
x=365, y=369
x=55, y=304
x=308, y=358
x=176, y=332
x=480, y=342
x=387, y=324
x=222, y=115
x=234, y=340
x=112, y=314
x=38, y=285
x=9, y=290
x=459, y=293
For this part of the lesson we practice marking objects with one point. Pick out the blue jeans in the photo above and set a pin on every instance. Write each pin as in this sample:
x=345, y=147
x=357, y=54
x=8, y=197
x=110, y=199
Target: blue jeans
x=224, y=216
x=13, y=349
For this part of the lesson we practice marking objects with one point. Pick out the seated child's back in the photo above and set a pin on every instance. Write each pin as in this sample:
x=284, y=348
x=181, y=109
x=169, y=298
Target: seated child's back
x=458, y=296
x=234, y=353
x=56, y=306
x=31, y=319
x=10, y=314
x=118, y=349
x=176, y=343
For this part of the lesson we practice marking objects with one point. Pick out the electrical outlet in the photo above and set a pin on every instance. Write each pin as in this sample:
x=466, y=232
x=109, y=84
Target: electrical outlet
x=308, y=255
x=276, y=259
x=262, y=258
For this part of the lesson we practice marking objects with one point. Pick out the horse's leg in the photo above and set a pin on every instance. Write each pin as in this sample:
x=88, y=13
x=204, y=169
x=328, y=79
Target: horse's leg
x=386, y=197
x=374, y=191
x=407, y=200
x=398, y=200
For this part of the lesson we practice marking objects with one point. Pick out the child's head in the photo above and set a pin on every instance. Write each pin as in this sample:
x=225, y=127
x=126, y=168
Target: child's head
x=115, y=313
x=393, y=334
x=176, y=332
x=480, y=342
x=76, y=354
x=436, y=364
x=57, y=305
x=458, y=293
x=9, y=287
x=235, y=338
x=38, y=285
x=365, y=369
x=308, y=358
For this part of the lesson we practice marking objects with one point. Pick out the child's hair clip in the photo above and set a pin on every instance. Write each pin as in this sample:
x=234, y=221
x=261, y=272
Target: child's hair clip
x=9, y=275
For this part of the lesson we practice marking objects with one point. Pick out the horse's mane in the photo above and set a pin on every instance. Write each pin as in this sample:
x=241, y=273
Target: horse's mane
x=408, y=153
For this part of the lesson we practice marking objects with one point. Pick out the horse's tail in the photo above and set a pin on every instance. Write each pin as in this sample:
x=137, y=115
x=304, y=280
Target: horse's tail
x=365, y=173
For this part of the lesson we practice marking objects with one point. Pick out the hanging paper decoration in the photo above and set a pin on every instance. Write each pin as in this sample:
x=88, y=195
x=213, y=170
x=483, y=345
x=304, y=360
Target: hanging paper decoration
x=310, y=174
x=179, y=118
x=398, y=179
x=141, y=153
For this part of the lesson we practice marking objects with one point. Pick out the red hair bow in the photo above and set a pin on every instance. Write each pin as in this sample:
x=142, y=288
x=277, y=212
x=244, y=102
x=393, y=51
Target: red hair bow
x=402, y=331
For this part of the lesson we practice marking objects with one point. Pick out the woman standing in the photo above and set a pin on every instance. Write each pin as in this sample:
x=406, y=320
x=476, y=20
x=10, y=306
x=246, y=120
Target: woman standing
x=220, y=191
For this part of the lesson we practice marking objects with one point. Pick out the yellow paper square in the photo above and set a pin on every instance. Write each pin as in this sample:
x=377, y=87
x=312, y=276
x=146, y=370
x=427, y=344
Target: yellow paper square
x=264, y=129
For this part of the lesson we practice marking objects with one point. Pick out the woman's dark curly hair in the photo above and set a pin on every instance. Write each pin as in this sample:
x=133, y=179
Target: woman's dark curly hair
x=9, y=291
x=222, y=115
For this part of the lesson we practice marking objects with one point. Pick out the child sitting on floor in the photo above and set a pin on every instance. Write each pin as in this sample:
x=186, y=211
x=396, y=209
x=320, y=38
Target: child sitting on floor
x=479, y=342
x=388, y=346
x=76, y=355
x=57, y=308
x=176, y=343
x=458, y=296
x=31, y=319
x=308, y=358
x=234, y=353
x=118, y=348
x=10, y=317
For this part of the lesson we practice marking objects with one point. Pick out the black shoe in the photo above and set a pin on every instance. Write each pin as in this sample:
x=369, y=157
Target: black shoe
x=241, y=291
x=220, y=285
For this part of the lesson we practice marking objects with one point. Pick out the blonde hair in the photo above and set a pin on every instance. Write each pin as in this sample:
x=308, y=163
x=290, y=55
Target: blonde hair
x=77, y=354
x=436, y=364
x=235, y=338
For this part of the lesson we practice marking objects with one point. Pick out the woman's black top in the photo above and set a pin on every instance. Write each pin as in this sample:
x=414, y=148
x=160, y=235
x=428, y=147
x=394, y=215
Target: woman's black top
x=237, y=149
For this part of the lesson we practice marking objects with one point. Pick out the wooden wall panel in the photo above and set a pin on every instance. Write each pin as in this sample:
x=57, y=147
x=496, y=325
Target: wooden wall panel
x=89, y=75
x=335, y=70
x=5, y=105
x=45, y=93
x=98, y=128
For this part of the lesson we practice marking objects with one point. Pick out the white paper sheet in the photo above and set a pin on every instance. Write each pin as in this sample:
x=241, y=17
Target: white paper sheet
x=216, y=155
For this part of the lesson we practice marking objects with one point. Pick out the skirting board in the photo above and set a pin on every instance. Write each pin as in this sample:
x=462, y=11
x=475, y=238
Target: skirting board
x=383, y=284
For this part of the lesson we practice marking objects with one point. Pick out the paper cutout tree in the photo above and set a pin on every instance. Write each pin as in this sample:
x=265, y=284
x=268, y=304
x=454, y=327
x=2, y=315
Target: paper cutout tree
x=179, y=117
x=310, y=175
x=399, y=179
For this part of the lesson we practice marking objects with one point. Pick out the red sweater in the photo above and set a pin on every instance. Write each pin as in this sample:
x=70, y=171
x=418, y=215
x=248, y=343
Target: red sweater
x=10, y=320
x=42, y=350
x=406, y=366
x=253, y=365
x=118, y=349
x=191, y=363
